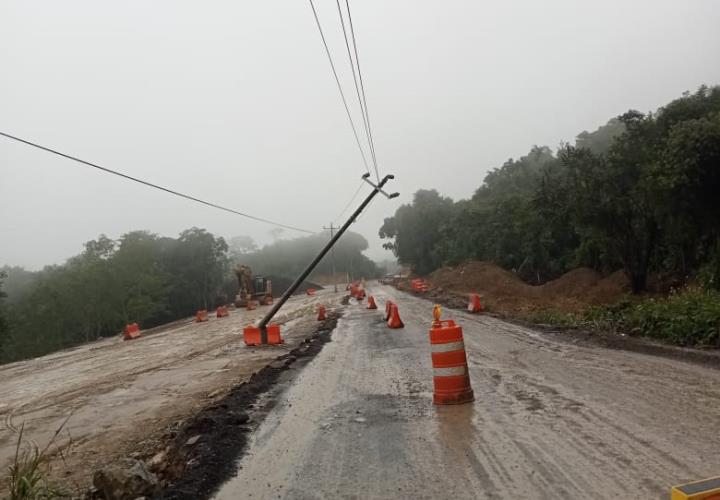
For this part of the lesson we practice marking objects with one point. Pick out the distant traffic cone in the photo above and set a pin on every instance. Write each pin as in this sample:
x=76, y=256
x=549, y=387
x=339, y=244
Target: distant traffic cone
x=394, y=321
x=474, y=306
x=451, y=379
x=251, y=304
x=222, y=312
x=201, y=316
x=371, y=303
x=321, y=313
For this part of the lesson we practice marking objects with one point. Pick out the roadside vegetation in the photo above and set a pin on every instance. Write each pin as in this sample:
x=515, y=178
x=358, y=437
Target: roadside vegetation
x=28, y=474
x=145, y=278
x=689, y=317
x=639, y=194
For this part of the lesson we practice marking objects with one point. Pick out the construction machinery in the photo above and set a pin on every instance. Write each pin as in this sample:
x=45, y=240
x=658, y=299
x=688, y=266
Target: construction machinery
x=252, y=288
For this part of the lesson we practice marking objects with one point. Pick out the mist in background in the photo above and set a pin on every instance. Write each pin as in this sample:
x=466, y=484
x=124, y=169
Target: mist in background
x=234, y=102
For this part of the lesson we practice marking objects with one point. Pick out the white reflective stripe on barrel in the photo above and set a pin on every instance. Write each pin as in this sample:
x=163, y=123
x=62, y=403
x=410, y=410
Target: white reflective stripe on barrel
x=452, y=371
x=448, y=347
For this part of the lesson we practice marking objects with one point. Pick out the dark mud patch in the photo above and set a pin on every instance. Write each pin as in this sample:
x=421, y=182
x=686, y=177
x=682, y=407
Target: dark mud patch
x=595, y=338
x=205, y=451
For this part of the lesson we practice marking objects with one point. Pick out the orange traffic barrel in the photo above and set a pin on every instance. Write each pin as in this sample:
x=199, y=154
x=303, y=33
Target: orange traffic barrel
x=474, y=305
x=252, y=335
x=371, y=303
x=321, y=313
x=451, y=379
x=201, y=316
x=394, y=321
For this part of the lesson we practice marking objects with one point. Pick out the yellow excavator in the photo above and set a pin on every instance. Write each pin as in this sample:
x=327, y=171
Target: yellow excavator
x=258, y=288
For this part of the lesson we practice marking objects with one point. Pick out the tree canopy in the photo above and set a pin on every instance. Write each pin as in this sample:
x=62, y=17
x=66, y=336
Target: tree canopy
x=140, y=277
x=640, y=194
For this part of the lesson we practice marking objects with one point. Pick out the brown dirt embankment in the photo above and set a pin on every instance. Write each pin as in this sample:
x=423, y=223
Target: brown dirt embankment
x=502, y=291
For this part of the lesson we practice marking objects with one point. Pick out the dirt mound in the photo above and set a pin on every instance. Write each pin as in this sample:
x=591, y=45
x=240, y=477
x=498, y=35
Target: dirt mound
x=610, y=289
x=572, y=283
x=503, y=291
x=475, y=275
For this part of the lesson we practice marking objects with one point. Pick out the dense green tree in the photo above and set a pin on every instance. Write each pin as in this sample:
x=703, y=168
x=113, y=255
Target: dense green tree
x=199, y=265
x=415, y=230
x=639, y=193
x=138, y=278
x=600, y=141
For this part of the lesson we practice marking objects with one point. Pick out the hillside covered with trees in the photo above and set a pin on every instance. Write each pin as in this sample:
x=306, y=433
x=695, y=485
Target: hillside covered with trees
x=145, y=278
x=641, y=194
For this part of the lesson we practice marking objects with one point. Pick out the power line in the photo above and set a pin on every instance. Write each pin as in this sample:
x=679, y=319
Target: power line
x=337, y=80
x=357, y=88
x=350, y=202
x=362, y=89
x=150, y=184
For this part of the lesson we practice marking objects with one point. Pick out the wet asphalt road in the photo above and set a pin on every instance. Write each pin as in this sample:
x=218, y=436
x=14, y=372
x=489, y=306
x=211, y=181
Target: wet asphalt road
x=550, y=419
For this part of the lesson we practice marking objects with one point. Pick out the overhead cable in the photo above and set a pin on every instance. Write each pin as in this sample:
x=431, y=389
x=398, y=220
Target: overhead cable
x=357, y=88
x=349, y=202
x=156, y=186
x=337, y=80
x=362, y=89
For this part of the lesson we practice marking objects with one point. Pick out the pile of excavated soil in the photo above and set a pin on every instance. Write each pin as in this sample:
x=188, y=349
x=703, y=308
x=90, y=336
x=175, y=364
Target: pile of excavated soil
x=503, y=291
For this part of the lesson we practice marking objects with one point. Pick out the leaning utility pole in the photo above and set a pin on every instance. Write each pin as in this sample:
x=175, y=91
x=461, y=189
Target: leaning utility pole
x=377, y=188
x=332, y=254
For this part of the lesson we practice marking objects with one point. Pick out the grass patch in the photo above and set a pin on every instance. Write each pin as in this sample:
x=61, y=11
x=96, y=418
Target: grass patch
x=554, y=318
x=687, y=317
x=27, y=477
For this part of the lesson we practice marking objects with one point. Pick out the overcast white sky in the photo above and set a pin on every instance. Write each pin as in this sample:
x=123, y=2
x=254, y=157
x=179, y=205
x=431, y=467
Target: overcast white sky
x=234, y=102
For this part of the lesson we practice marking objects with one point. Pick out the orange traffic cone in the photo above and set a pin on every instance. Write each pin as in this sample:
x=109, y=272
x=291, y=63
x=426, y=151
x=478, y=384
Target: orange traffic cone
x=251, y=304
x=253, y=336
x=388, y=304
x=222, y=312
x=394, y=321
x=321, y=313
x=474, y=306
x=371, y=303
x=451, y=379
x=201, y=316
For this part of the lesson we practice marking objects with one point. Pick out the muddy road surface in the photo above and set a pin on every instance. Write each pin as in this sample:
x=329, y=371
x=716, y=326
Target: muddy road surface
x=550, y=419
x=119, y=395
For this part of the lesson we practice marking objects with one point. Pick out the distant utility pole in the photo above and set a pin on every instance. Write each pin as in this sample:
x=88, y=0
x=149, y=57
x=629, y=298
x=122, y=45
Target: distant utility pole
x=332, y=253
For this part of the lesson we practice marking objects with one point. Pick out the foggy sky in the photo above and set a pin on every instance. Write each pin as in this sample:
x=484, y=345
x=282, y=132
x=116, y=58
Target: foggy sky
x=234, y=102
